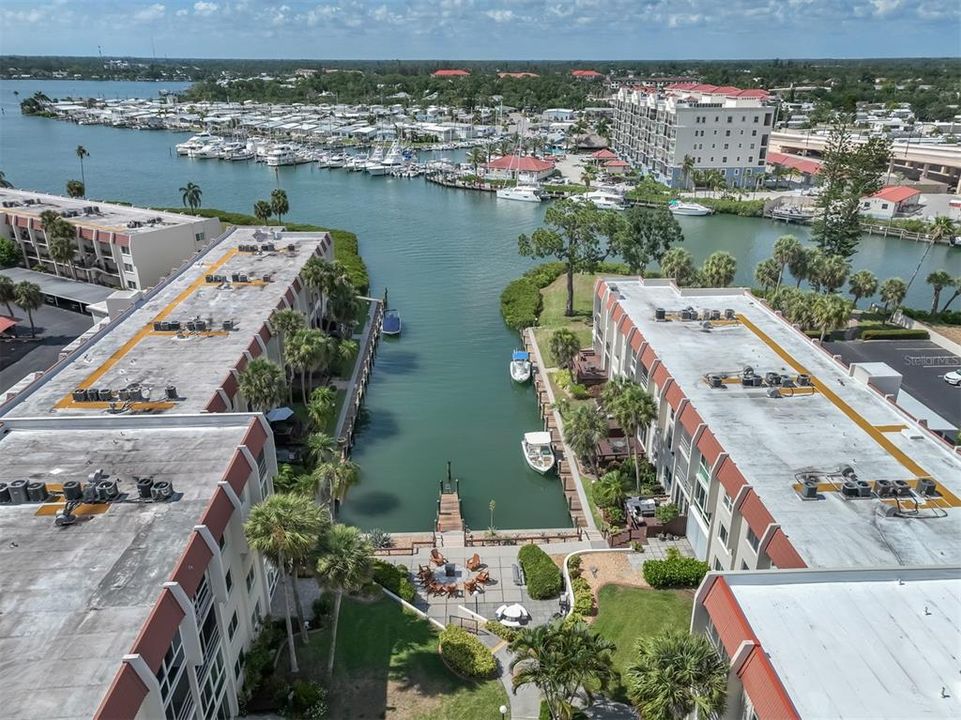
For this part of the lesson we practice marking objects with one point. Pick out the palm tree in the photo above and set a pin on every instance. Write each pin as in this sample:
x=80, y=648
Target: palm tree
x=800, y=265
x=893, y=291
x=941, y=230
x=321, y=448
x=589, y=174
x=8, y=293
x=938, y=280
x=262, y=211
x=477, y=157
x=584, y=429
x=190, y=195
x=62, y=250
x=82, y=152
x=561, y=659
x=956, y=284
x=678, y=264
x=675, y=674
x=4, y=183
x=323, y=400
x=262, y=383
x=829, y=313
x=28, y=297
x=75, y=189
x=862, y=284
x=767, y=273
x=687, y=168
x=787, y=249
x=57, y=230
x=345, y=564
x=719, y=269
x=285, y=323
x=301, y=351
x=610, y=489
x=564, y=346
x=279, y=204
x=285, y=530
x=634, y=409
x=832, y=271
x=338, y=477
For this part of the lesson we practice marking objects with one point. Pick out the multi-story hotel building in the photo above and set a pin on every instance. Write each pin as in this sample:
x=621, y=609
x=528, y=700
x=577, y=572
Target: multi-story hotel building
x=719, y=128
x=776, y=452
x=116, y=245
x=127, y=588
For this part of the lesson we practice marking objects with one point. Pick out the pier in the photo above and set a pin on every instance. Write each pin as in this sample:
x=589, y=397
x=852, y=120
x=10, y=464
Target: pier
x=367, y=349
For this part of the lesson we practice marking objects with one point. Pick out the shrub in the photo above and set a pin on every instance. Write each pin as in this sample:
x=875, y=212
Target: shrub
x=574, y=566
x=948, y=317
x=666, y=513
x=500, y=630
x=543, y=576
x=394, y=578
x=615, y=515
x=259, y=660
x=744, y=208
x=676, y=571
x=894, y=334
x=563, y=380
x=9, y=253
x=322, y=607
x=380, y=538
x=521, y=304
x=544, y=274
x=544, y=713
x=465, y=654
x=303, y=699
x=583, y=597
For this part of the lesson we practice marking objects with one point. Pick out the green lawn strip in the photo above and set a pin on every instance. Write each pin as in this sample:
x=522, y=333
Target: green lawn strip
x=627, y=613
x=379, y=643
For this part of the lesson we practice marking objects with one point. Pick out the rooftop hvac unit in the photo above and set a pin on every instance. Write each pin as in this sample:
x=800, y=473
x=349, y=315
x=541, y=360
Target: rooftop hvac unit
x=267, y=278
x=773, y=392
x=926, y=487
x=728, y=314
x=171, y=392
x=201, y=325
x=902, y=489
x=685, y=314
x=864, y=488
x=848, y=472
x=72, y=492
x=772, y=378
x=18, y=492
x=714, y=381
x=849, y=488
x=80, y=395
x=107, y=490
x=227, y=325
x=884, y=488
x=191, y=325
x=660, y=314
x=157, y=326
x=235, y=277
x=165, y=326
x=144, y=486
x=4, y=493
x=211, y=278
x=123, y=394
x=291, y=248
x=90, y=492
x=748, y=371
x=715, y=314
x=95, y=476
x=809, y=490
x=243, y=278
x=161, y=491
x=174, y=325
x=804, y=380
x=105, y=394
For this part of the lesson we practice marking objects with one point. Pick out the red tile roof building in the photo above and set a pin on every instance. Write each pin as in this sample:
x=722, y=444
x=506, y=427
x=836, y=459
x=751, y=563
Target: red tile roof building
x=896, y=193
x=524, y=168
x=450, y=73
x=586, y=74
x=805, y=166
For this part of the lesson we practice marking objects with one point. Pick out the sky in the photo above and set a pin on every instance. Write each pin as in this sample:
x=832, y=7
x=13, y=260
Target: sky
x=483, y=29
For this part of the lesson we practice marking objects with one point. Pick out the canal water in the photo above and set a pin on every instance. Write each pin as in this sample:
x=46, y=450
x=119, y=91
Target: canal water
x=440, y=392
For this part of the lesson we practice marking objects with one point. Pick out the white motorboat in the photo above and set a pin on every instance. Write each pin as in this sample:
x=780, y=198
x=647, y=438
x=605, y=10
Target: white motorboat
x=538, y=451
x=521, y=366
x=603, y=200
x=688, y=208
x=521, y=193
x=282, y=155
x=194, y=143
x=208, y=151
x=336, y=161
x=376, y=169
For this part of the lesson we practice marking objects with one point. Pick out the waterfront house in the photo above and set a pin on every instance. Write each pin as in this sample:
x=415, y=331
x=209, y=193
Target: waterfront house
x=891, y=202
x=522, y=168
x=800, y=172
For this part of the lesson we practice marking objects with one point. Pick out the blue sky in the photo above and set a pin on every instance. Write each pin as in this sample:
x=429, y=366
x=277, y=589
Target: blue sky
x=483, y=29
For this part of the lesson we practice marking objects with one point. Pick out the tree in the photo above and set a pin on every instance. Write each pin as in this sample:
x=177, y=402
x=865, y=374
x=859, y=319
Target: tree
x=285, y=529
x=560, y=659
x=719, y=269
x=767, y=273
x=81, y=153
x=191, y=195
x=262, y=383
x=304, y=350
x=687, y=167
x=321, y=448
x=338, y=477
x=893, y=291
x=832, y=271
x=647, y=235
x=285, y=323
x=610, y=489
x=4, y=183
x=9, y=253
x=942, y=228
x=323, y=400
x=675, y=674
x=564, y=346
x=678, y=264
x=62, y=250
x=8, y=293
x=800, y=265
x=956, y=284
x=60, y=239
x=262, y=211
x=830, y=312
x=787, y=249
x=634, y=409
x=861, y=284
x=75, y=189
x=588, y=174
x=584, y=429
x=938, y=280
x=571, y=236
x=345, y=564
x=279, y=204
x=849, y=172
x=477, y=156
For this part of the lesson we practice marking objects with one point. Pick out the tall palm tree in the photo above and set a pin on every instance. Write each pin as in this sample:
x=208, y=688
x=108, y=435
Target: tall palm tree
x=583, y=430
x=477, y=157
x=338, y=477
x=787, y=248
x=956, y=284
x=62, y=250
x=262, y=383
x=829, y=313
x=832, y=271
x=4, y=183
x=767, y=273
x=633, y=408
x=321, y=448
x=8, y=293
x=564, y=346
x=279, y=203
x=589, y=174
x=28, y=298
x=300, y=352
x=938, y=280
x=800, y=265
x=321, y=405
x=191, y=195
x=262, y=211
x=678, y=264
x=942, y=229
x=285, y=530
x=75, y=189
x=719, y=269
x=687, y=168
x=861, y=284
x=345, y=564
x=675, y=674
x=82, y=152
x=285, y=323
x=893, y=291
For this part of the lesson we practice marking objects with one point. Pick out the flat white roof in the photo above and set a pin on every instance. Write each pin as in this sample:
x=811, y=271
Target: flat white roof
x=860, y=643
x=772, y=440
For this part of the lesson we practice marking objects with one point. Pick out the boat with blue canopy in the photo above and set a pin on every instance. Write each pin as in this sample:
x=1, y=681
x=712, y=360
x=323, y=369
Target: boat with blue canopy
x=521, y=366
x=391, y=324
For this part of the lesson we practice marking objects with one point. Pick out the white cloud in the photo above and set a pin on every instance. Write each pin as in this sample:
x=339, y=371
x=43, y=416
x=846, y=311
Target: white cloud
x=182, y=12
x=500, y=16
x=150, y=13
x=205, y=9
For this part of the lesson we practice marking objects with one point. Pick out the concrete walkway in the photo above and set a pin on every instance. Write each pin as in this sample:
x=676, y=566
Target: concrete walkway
x=526, y=701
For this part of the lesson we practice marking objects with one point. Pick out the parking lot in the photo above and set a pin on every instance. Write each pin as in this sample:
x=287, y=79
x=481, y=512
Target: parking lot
x=922, y=365
x=55, y=328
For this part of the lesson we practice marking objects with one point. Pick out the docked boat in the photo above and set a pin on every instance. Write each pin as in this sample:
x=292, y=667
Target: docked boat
x=391, y=323
x=194, y=143
x=603, y=200
x=282, y=155
x=521, y=193
x=794, y=214
x=521, y=366
x=688, y=208
x=538, y=451
x=336, y=161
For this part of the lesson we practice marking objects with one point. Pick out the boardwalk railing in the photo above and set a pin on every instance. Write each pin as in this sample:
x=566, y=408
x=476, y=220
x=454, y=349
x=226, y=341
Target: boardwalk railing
x=360, y=378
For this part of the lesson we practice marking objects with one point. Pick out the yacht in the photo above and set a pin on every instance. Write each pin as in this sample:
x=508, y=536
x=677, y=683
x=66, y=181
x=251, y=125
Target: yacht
x=394, y=159
x=209, y=150
x=538, y=452
x=521, y=193
x=236, y=151
x=520, y=366
x=194, y=143
x=282, y=155
x=374, y=164
x=336, y=161
x=688, y=208
x=603, y=200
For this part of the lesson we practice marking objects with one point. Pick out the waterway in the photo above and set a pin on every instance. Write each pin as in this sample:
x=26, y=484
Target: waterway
x=441, y=392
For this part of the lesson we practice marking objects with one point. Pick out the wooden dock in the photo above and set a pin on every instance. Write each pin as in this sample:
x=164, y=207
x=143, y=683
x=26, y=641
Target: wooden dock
x=450, y=518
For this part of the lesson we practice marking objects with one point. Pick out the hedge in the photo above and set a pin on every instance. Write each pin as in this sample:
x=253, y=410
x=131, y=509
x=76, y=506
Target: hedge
x=676, y=571
x=346, y=250
x=543, y=576
x=583, y=597
x=948, y=317
x=894, y=334
x=465, y=654
x=744, y=208
x=395, y=579
x=521, y=304
x=500, y=630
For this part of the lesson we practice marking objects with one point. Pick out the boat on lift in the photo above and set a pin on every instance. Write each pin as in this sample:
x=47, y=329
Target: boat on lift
x=521, y=366
x=538, y=453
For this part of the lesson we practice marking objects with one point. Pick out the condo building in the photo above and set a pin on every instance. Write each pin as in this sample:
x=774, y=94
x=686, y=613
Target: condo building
x=778, y=455
x=718, y=128
x=116, y=245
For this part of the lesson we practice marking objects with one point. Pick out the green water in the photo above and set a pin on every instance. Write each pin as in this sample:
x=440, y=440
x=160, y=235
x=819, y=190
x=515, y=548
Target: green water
x=440, y=392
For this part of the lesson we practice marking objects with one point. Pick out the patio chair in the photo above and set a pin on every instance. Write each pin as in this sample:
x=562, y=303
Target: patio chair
x=437, y=557
x=470, y=586
x=483, y=577
x=436, y=588
x=473, y=563
x=452, y=590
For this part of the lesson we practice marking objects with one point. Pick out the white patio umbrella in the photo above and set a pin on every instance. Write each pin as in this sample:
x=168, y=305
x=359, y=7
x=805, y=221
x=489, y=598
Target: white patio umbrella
x=515, y=612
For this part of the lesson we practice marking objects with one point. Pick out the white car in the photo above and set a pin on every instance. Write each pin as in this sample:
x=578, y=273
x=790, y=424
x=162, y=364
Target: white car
x=953, y=377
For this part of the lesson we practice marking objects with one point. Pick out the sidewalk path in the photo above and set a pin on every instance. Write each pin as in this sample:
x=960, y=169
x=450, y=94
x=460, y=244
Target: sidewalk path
x=526, y=702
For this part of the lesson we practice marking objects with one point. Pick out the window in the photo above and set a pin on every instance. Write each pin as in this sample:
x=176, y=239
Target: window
x=722, y=534
x=752, y=146
x=727, y=501
x=753, y=133
x=228, y=579
x=753, y=540
x=124, y=249
x=250, y=578
x=255, y=616
x=884, y=206
x=756, y=119
x=750, y=159
x=727, y=133
x=238, y=667
x=717, y=564
x=232, y=626
x=131, y=284
x=199, y=237
x=730, y=119
x=724, y=159
x=128, y=267
x=744, y=565
x=725, y=146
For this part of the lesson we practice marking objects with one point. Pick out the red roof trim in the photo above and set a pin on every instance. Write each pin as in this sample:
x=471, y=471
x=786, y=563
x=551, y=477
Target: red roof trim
x=709, y=447
x=730, y=477
x=764, y=687
x=192, y=565
x=216, y=404
x=124, y=697
x=782, y=552
x=753, y=510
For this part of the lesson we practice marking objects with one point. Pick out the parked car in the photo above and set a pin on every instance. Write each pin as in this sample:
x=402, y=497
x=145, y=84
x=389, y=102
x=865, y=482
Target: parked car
x=953, y=377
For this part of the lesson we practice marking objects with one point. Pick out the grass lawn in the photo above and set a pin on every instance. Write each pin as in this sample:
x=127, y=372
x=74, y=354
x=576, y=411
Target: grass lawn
x=387, y=666
x=625, y=614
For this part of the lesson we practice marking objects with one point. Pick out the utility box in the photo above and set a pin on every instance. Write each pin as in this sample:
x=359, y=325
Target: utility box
x=878, y=375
